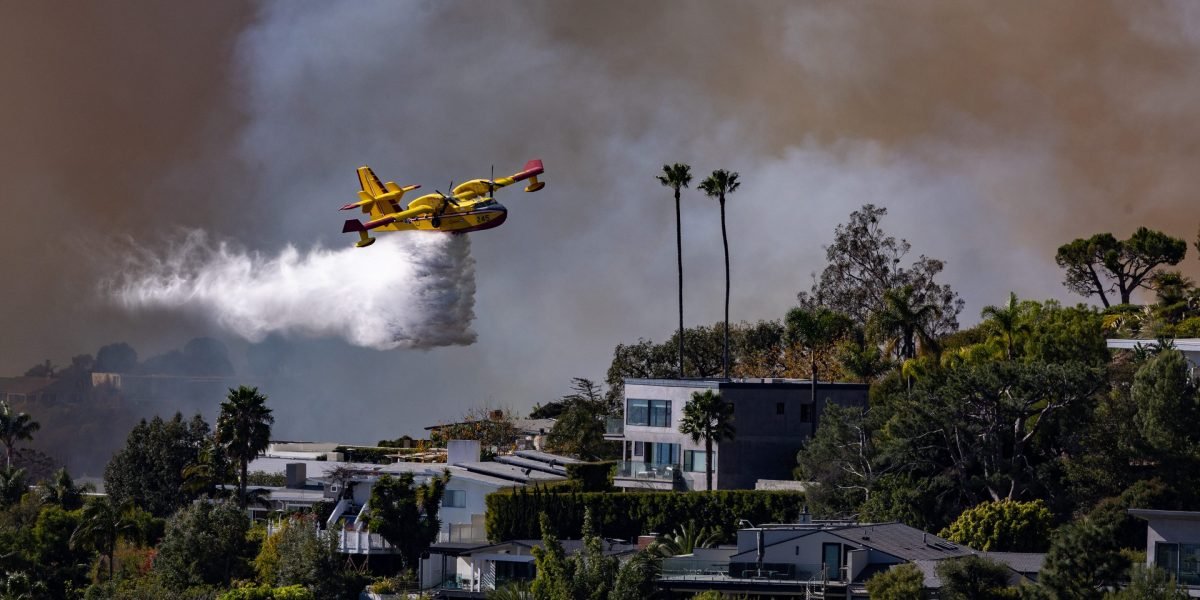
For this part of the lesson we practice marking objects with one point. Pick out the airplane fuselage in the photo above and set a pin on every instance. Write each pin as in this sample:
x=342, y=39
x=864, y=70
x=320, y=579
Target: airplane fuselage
x=468, y=216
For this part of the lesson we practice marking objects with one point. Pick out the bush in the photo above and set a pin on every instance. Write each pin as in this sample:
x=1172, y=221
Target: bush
x=626, y=515
x=1189, y=327
x=1004, y=526
x=593, y=477
x=291, y=592
x=903, y=582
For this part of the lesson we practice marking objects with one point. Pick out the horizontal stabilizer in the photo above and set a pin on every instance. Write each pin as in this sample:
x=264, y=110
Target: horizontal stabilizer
x=534, y=167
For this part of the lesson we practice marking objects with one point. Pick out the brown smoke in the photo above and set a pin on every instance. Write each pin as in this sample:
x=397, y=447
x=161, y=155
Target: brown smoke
x=992, y=131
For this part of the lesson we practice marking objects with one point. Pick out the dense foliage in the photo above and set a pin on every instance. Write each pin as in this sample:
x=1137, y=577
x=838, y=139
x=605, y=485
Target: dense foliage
x=149, y=470
x=1003, y=526
x=626, y=515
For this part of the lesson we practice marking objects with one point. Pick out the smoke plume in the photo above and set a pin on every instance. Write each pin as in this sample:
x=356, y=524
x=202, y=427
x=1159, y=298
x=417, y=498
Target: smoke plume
x=414, y=291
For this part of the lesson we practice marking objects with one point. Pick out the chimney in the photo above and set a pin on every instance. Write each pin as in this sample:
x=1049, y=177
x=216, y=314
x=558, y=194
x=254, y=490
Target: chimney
x=296, y=475
x=645, y=540
x=496, y=415
x=805, y=516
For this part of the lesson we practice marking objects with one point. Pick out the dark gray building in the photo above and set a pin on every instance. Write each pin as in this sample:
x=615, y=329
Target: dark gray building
x=773, y=417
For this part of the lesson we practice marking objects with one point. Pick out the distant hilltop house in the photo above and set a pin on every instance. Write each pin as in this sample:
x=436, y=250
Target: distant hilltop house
x=773, y=418
x=31, y=389
x=498, y=431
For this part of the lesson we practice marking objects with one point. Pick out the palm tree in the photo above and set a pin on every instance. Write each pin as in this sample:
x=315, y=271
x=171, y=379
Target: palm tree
x=685, y=540
x=244, y=430
x=101, y=525
x=906, y=322
x=718, y=184
x=63, y=491
x=14, y=427
x=1006, y=319
x=710, y=417
x=12, y=486
x=817, y=330
x=678, y=176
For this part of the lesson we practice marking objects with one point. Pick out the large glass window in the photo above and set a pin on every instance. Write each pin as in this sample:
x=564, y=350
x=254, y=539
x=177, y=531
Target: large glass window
x=695, y=461
x=651, y=413
x=662, y=454
x=1181, y=560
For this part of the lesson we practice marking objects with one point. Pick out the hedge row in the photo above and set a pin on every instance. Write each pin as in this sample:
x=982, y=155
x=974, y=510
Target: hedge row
x=626, y=515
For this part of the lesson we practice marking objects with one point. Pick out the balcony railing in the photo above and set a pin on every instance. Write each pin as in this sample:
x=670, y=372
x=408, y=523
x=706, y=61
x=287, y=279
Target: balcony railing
x=690, y=569
x=650, y=471
x=614, y=426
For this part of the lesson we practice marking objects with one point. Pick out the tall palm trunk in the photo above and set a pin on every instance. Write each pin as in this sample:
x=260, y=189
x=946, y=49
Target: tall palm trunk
x=708, y=462
x=725, y=242
x=242, y=484
x=679, y=256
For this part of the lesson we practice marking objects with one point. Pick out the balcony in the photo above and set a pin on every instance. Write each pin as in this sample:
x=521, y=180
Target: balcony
x=614, y=427
x=652, y=476
x=686, y=568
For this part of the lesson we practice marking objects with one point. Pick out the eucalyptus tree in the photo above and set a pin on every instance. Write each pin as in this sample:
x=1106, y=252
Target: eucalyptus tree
x=709, y=417
x=678, y=176
x=717, y=185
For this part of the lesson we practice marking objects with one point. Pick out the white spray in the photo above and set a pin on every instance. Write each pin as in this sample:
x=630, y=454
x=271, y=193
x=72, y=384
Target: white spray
x=410, y=291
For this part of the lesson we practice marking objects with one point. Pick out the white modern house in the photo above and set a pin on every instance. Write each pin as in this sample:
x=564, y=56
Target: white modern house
x=1173, y=544
x=1190, y=347
x=772, y=418
x=348, y=487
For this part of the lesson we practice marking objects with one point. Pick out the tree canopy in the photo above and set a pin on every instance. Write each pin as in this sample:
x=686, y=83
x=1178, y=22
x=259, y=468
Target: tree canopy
x=1102, y=265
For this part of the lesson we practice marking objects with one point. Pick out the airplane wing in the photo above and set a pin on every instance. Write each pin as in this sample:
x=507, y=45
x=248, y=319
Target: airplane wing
x=481, y=187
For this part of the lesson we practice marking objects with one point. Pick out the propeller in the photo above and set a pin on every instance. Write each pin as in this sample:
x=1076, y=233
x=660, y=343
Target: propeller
x=450, y=198
x=492, y=184
x=436, y=221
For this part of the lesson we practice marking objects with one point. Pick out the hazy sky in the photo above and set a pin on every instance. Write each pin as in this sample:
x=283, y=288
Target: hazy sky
x=992, y=133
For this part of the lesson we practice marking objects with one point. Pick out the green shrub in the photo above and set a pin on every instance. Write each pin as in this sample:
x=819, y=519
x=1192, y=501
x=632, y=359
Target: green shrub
x=593, y=477
x=1004, y=526
x=293, y=592
x=626, y=515
x=1188, y=328
x=248, y=593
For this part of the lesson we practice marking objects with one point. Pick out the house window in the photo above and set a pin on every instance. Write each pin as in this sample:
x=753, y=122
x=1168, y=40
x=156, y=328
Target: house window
x=806, y=413
x=662, y=454
x=1180, y=560
x=650, y=413
x=639, y=448
x=779, y=408
x=695, y=461
x=454, y=499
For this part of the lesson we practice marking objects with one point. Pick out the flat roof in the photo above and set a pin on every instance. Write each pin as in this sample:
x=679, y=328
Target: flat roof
x=1183, y=344
x=747, y=383
x=1177, y=515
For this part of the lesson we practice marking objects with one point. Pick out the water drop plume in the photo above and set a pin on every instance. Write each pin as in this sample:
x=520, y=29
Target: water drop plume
x=405, y=291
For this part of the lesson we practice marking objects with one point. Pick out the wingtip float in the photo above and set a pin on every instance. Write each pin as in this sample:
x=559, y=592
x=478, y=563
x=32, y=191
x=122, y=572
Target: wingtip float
x=470, y=206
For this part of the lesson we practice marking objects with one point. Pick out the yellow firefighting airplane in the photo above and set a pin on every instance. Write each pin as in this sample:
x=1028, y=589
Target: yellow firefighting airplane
x=470, y=206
